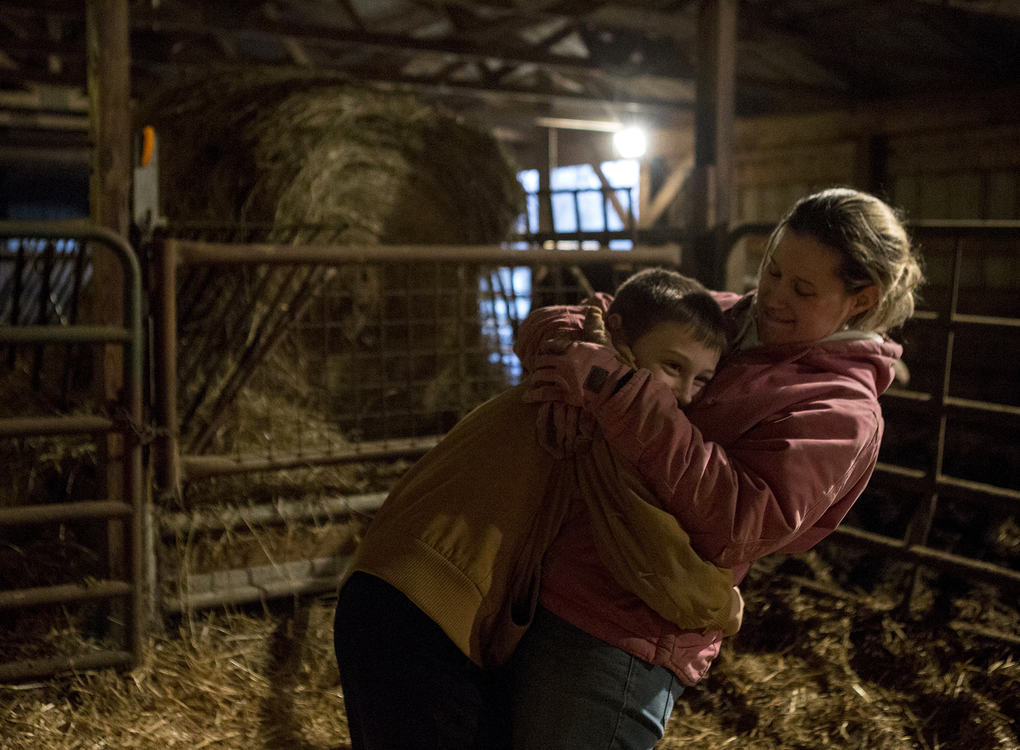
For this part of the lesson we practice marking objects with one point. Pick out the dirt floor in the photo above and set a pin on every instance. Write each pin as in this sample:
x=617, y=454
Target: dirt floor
x=910, y=661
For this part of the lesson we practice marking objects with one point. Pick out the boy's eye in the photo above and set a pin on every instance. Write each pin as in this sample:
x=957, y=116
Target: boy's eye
x=803, y=291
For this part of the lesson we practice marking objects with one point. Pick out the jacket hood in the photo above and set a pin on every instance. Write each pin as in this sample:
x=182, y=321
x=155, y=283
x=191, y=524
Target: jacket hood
x=867, y=361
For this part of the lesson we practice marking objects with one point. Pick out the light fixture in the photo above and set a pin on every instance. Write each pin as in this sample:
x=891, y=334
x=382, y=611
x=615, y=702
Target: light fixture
x=564, y=123
x=630, y=142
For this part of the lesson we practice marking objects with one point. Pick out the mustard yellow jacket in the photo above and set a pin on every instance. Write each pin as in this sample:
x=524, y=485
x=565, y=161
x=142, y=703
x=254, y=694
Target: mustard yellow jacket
x=464, y=532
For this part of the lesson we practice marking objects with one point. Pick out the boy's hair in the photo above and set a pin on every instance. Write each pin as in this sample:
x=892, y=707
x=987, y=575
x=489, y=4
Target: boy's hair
x=659, y=295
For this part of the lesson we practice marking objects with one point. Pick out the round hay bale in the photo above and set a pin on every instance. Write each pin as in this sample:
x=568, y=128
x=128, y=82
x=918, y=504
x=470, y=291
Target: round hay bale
x=384, y=167
x=282, y=151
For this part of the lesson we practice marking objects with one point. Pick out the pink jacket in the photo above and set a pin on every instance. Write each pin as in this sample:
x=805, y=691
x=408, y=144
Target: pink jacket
x=769, y=458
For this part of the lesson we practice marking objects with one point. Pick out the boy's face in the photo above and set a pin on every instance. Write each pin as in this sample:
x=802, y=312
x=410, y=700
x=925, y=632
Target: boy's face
x=677, y=359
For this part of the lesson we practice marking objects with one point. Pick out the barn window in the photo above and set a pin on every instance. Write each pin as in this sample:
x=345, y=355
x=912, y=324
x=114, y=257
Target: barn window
x=578, y=205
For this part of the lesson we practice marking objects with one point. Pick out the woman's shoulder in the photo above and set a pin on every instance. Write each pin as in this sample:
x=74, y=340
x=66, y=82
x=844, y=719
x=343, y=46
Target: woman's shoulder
x=865, y=366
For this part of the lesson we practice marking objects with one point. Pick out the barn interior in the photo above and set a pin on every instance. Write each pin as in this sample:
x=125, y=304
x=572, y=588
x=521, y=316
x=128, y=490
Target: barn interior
x=260, y=256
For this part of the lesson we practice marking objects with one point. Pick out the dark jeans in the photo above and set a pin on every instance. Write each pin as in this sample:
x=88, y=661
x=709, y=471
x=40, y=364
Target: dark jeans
x=406, y=686
x=573, y=691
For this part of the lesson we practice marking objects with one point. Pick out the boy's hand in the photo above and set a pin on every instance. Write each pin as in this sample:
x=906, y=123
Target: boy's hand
x=594, y=328
x=593, y=331
x=736, y=613
x=565, y=429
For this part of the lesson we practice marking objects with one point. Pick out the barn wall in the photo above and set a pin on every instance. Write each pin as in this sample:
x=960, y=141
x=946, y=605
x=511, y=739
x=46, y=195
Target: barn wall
x=937, y=159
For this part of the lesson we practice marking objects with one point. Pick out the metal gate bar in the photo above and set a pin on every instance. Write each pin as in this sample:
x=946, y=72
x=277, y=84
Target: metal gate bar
x=171, y=254
x=126, y=424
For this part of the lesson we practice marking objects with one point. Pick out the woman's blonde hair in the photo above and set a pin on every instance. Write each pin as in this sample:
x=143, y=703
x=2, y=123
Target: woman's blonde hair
x=873, y=245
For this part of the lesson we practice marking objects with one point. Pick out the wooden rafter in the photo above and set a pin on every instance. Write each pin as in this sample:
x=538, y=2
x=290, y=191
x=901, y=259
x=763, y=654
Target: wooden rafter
x=653, y=209
x=790, y=52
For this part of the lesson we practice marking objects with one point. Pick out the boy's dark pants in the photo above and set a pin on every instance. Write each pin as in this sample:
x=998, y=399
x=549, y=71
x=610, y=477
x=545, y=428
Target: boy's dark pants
x=406, y=686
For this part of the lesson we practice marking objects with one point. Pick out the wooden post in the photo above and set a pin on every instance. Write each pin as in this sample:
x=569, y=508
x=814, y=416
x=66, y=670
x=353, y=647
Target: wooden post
x=108, y=70
x=549, y=158
x=166, y=453
x=871, y=164
x=110, y=184
x=109, y=89
x=713, y=138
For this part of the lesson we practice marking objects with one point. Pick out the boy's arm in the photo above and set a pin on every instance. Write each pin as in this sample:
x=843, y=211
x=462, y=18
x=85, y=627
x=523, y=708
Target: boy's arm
x=655, y=580
x=565, y=429
x=646, y=550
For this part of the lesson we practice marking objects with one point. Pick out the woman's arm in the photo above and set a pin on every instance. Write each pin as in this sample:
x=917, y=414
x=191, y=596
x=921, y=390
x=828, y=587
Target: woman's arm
x=564, y=322
x=783, y=483
x=782, y=486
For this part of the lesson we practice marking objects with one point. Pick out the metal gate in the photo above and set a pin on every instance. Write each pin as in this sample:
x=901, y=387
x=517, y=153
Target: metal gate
x=45, y=270
x=389, y=345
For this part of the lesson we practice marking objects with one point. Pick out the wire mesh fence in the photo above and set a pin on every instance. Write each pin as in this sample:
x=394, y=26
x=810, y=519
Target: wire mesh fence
x=312, y=373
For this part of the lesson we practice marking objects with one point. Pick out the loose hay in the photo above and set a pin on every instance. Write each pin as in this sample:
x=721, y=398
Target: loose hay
x=223, y=680
x=815, y=666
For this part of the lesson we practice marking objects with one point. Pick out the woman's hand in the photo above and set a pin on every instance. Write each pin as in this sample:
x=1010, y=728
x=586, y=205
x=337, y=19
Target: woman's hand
x=564, y=428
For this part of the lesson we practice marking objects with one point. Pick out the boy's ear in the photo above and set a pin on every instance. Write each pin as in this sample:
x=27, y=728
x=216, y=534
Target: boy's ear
x=614, y=324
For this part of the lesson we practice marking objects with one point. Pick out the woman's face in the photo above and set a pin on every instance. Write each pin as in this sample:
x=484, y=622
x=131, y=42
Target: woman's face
x=800, y=298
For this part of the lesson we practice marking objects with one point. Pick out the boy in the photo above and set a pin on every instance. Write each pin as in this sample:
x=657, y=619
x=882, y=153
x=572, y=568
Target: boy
x=446, y=579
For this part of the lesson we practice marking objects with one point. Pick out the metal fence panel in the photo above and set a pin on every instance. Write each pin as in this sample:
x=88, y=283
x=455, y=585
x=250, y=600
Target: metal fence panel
x=52, y=437
x=289, y=374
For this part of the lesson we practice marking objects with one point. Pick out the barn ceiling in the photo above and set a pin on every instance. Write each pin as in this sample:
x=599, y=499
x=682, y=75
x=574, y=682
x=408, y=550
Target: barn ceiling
x=527, y=58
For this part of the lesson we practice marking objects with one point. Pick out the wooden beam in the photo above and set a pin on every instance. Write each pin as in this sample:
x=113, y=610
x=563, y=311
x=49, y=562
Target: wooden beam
x=667, y=193
x=996, y=8
x=713, y=138
x=108, y=70
x=108, y=67
x=609, y=192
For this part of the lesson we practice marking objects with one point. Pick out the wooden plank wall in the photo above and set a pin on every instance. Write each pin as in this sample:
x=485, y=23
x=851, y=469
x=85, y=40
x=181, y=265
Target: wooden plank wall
x=936, y=160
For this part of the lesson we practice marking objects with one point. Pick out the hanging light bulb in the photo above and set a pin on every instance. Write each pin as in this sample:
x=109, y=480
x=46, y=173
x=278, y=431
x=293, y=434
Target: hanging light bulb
x=630, y=143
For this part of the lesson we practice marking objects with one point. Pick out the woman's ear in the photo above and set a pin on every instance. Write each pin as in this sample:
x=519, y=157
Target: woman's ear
x=864, y=300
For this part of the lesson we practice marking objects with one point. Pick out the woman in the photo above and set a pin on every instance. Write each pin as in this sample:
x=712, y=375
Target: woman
x=769, y=458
